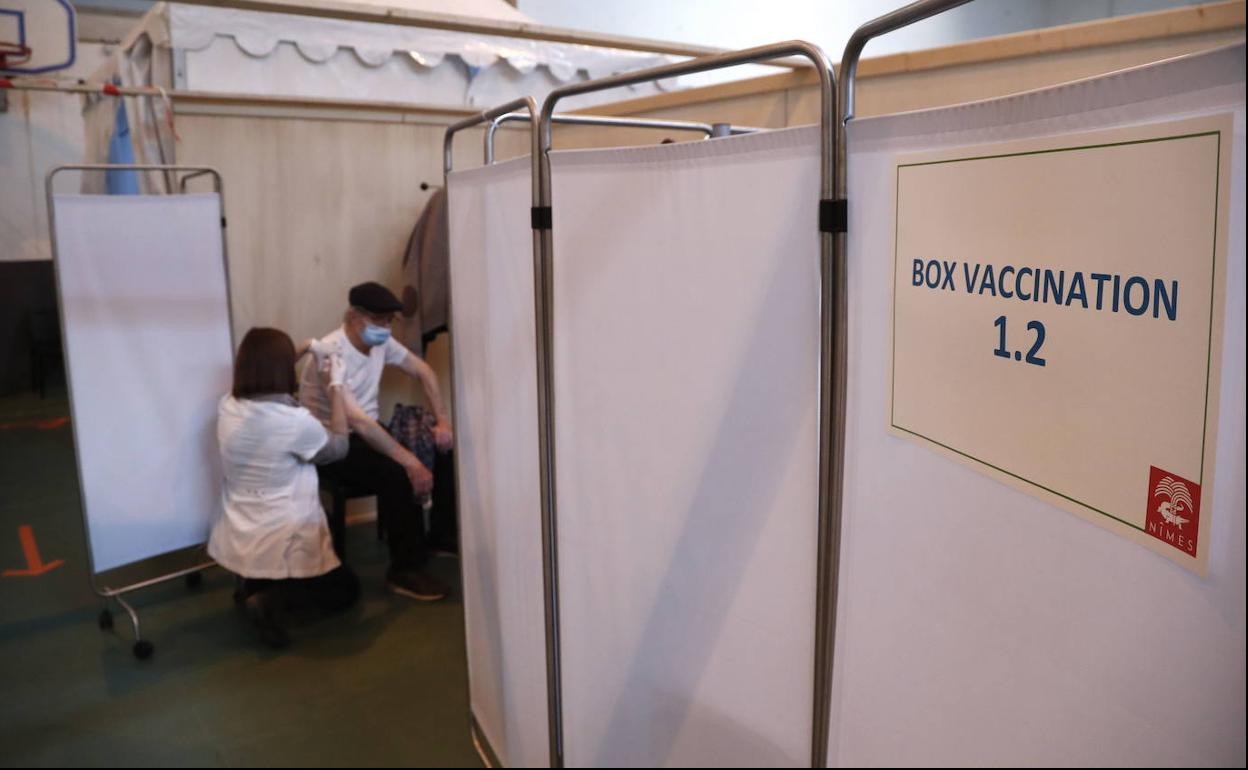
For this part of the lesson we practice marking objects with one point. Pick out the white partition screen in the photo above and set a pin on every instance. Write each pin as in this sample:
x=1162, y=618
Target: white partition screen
x=492, y=306
x=686, y=336
x=147, y=336
x=978, y=624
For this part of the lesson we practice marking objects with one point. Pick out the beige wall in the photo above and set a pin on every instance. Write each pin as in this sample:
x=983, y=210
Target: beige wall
x=923, y=83
x=314, y=207
x=784, y=104
x=971, y=82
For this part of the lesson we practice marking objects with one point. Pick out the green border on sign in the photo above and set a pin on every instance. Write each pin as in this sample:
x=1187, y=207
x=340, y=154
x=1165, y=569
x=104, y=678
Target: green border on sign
x=1212, y=299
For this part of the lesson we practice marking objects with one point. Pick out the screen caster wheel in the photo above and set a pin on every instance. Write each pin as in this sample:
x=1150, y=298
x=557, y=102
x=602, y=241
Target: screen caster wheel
x=143, y=649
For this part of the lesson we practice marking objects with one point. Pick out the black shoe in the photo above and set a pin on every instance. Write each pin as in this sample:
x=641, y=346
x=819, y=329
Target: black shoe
x=420, y=586
x=264, y=613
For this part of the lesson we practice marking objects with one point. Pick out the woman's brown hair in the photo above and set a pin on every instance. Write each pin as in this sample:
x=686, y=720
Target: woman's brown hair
x=265, y=364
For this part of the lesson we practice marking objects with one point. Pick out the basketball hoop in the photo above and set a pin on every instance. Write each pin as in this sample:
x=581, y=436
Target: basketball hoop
x=37, y=37
x=13, y=54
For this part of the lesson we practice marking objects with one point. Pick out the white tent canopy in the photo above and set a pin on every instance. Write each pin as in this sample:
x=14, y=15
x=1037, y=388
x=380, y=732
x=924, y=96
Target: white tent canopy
x=224, y=50
x=497, y=10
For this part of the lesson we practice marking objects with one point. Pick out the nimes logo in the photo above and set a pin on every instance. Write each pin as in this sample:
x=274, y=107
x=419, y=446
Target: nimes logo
x=1173, y=515
x=1178, y=500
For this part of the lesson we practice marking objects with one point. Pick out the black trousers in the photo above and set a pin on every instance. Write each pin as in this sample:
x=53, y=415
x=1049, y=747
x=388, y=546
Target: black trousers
x=443, y=522
x=368, y=470
x=334, y=591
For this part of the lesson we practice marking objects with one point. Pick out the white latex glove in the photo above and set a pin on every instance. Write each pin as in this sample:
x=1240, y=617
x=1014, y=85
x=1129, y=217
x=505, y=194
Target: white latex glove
x=331, y=370
x=320, y=349
x=337, y=369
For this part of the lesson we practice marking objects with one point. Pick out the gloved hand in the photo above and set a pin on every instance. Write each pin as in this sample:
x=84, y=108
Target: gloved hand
x=320, y=349
x=337, y=369
x=331, y=370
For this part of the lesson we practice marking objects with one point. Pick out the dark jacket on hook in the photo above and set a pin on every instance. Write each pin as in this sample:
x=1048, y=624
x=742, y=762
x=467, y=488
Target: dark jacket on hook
x=425, y=275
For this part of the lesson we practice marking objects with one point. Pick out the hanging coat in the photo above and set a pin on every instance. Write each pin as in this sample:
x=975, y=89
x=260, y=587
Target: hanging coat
x=426, y=292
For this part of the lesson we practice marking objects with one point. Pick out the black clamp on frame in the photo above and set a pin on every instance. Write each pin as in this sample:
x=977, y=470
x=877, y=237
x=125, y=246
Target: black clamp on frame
x=540, y=217
x=833, y=215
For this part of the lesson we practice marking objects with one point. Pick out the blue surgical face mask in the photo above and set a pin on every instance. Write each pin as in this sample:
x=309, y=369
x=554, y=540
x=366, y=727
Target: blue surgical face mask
x=374, y=335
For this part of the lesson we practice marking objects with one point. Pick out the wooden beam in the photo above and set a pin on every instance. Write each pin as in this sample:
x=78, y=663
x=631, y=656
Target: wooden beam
x=313, y=108
x=256, y=105
x=1193, y=19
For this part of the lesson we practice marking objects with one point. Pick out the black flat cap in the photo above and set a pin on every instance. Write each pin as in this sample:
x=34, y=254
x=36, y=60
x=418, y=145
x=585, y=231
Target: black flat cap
x=374, y=298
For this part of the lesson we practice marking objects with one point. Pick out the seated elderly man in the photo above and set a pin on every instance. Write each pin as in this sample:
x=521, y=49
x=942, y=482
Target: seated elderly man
x=375, y=462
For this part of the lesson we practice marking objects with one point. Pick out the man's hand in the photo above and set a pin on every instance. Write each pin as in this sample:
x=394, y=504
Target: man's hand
x=419, y=475
x=442, y=437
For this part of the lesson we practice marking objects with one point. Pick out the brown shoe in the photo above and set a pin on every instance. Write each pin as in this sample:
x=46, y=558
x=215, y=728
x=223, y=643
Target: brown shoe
x=420, y=586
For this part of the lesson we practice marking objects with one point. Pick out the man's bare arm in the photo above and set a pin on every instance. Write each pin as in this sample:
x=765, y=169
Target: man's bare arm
x=417, y=368
x=380, y=439
x=422, y=371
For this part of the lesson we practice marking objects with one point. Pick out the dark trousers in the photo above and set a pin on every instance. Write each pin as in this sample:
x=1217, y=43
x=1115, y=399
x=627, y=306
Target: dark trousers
x=334, y=591
x=443, y=522
x=367, y=470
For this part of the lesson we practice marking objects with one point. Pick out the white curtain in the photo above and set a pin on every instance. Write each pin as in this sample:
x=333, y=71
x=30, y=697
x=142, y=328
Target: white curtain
x=495, y=369
x=977, y=625
x=686, y=329
x=147, y=337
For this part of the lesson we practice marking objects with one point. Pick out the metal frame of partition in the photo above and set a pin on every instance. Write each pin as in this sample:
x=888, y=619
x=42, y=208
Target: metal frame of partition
x=837, y=376
x=828, y=514
x=142, y=647
x=710, y=129
x=836, y=110
x=889, y=22
x=479, y=739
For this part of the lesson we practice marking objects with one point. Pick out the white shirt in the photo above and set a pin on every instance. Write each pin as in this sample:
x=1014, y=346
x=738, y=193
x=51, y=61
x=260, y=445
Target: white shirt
x=363, y=374
x=273, y=524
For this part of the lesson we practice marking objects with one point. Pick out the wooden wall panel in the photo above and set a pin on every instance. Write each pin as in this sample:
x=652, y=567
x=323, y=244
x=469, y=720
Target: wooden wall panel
x=314, y=207
x=925, y=89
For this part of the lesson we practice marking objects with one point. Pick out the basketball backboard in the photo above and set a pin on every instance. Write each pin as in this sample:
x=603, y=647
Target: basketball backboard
x=36, y=36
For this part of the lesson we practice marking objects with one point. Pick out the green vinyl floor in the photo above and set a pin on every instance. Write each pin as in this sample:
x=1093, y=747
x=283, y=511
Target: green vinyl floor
x=382, y=685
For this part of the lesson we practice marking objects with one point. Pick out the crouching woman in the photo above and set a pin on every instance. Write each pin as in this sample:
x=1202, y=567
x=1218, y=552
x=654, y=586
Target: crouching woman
x=273, y=531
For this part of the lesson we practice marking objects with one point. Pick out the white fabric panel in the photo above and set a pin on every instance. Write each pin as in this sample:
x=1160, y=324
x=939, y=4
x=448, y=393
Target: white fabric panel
x=977, y=625
x=686, y=327
x=491, y=258
x=147, y=334
x=484, y=9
